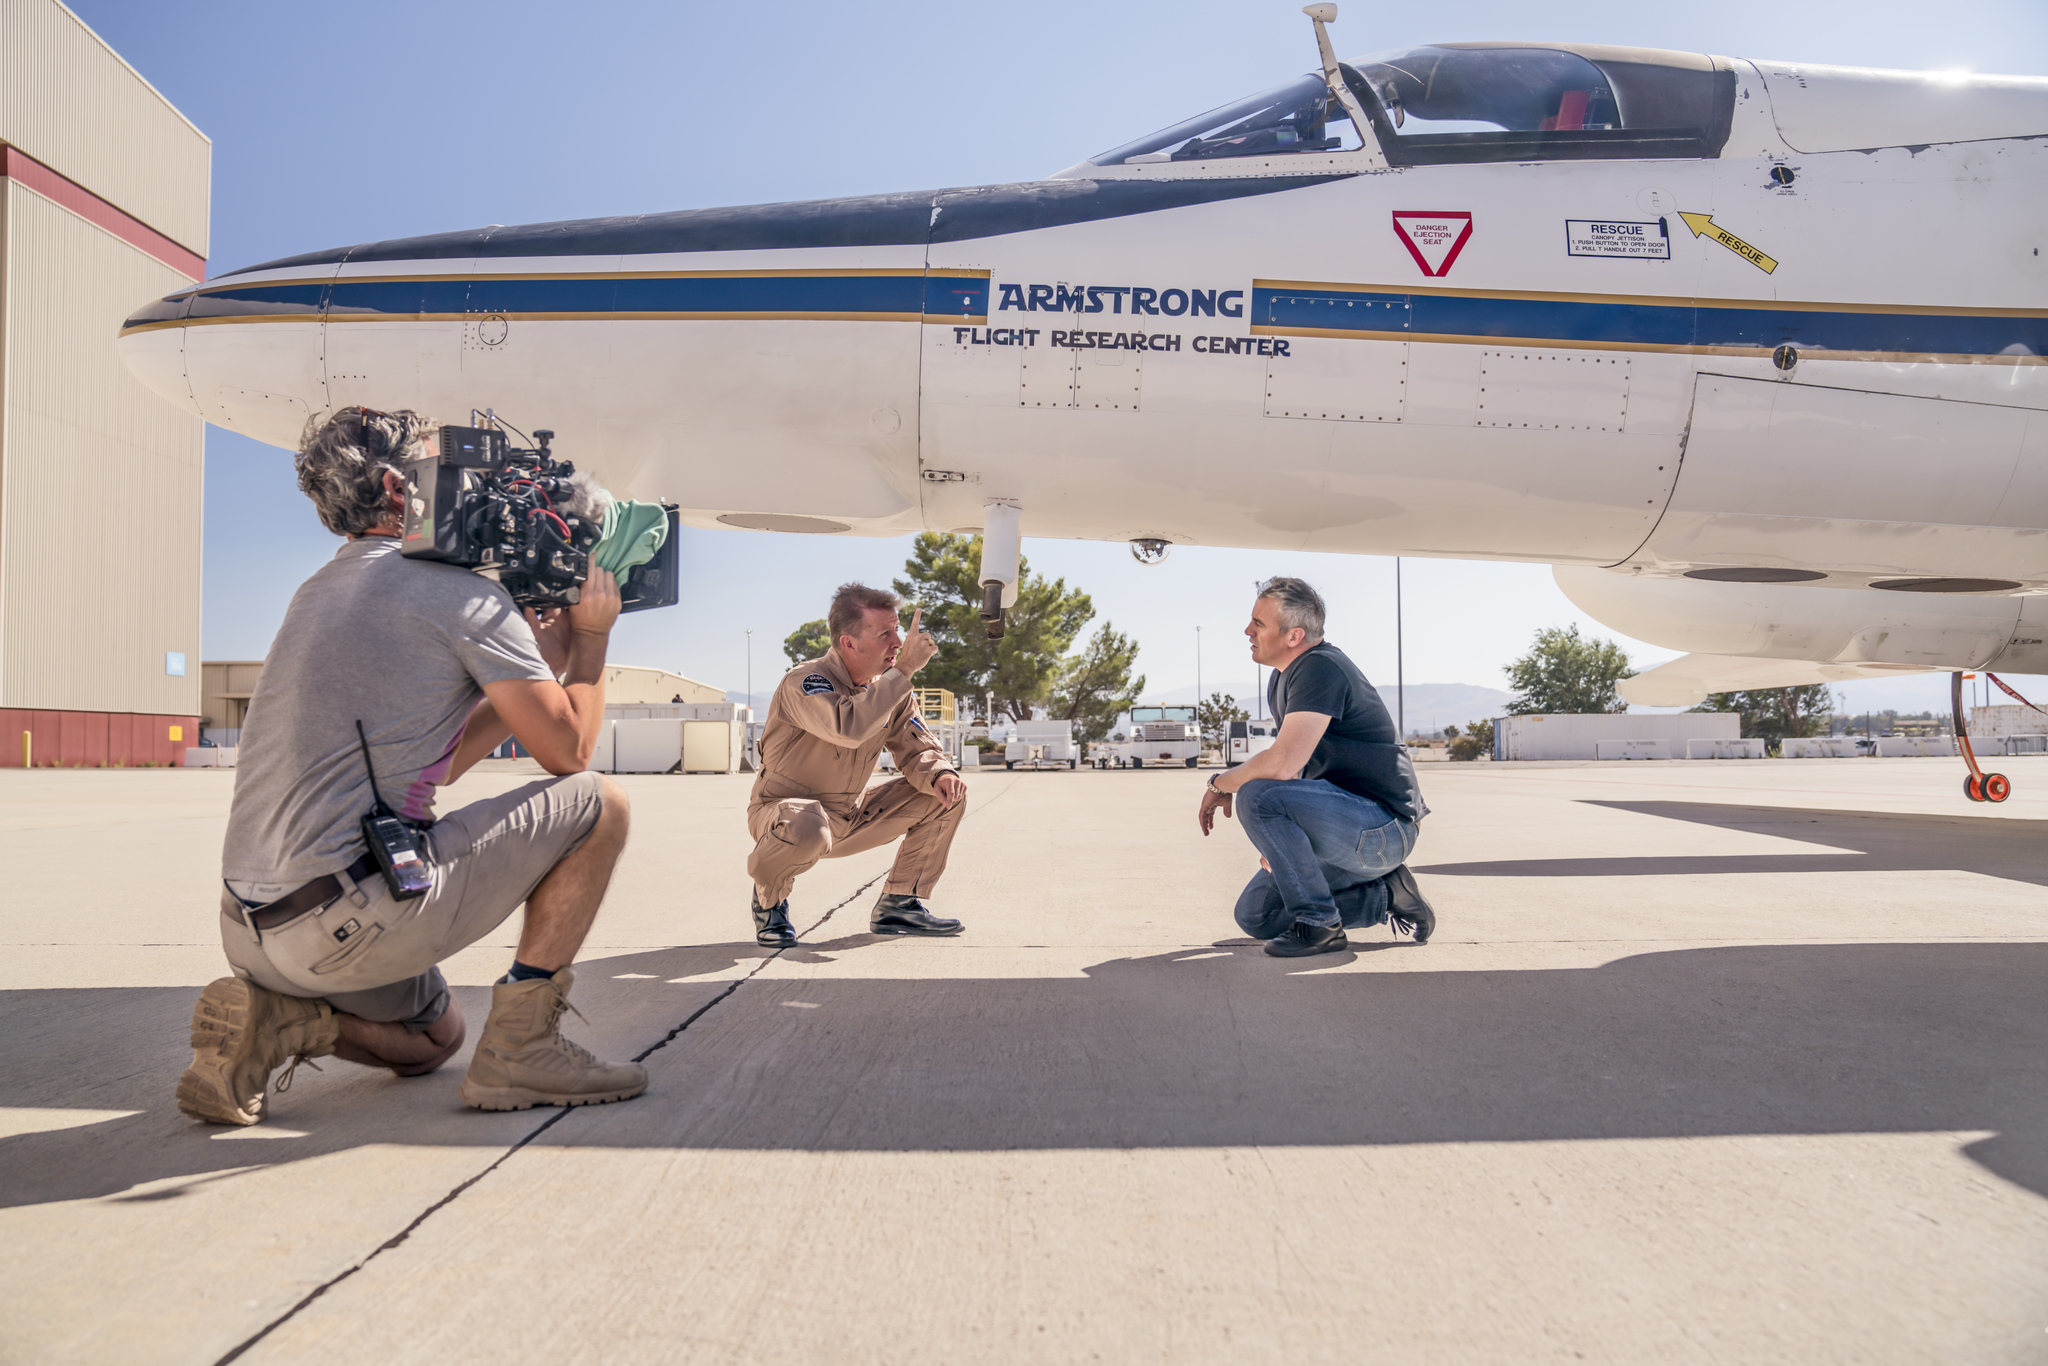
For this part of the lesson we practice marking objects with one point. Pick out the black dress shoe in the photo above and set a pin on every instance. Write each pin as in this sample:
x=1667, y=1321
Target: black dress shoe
x=772, y=929
x=896, y=914
x=1303, y=940
x=1406, y=909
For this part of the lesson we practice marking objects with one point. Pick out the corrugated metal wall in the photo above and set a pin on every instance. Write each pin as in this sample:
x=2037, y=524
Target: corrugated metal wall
x=229, y=682
x=70, y=102
x=100, y=480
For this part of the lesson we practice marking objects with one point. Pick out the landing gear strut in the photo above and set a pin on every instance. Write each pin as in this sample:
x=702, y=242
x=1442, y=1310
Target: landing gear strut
x=1979, y=786
x=1000, y=549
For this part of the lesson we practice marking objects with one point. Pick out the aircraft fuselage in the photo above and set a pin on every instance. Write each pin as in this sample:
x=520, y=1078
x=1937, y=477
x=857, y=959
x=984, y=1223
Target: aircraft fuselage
x=1820, y=362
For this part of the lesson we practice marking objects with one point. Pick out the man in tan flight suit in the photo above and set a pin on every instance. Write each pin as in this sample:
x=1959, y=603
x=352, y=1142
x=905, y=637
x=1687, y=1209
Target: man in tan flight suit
x=826, y=726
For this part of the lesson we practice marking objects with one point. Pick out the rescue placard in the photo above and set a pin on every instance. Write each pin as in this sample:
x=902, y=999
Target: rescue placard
x=1623, y=240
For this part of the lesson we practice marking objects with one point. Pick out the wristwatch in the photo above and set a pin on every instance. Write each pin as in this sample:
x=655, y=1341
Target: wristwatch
x=1215, y=789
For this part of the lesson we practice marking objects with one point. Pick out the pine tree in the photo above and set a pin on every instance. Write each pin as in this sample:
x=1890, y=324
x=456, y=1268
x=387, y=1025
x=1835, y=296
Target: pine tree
x=1215, y=716
x=1095, y=684
x=807, y=642
x=1021, y=669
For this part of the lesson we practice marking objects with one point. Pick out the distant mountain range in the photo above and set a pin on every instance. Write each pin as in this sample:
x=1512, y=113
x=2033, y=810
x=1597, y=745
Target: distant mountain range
x=1431, y=706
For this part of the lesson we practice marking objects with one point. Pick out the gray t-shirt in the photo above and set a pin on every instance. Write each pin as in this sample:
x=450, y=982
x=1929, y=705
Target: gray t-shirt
x=403, y=645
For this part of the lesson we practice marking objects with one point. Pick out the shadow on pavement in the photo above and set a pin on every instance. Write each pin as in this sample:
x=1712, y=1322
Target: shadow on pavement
x=1209, y=1046
x=1859, y=842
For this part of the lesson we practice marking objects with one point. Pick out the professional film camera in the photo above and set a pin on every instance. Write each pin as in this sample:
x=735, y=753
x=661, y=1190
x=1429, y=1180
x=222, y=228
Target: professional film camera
x=509, y=512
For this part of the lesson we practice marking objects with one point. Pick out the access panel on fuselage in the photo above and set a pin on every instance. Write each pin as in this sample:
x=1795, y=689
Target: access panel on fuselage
x=1288, y=369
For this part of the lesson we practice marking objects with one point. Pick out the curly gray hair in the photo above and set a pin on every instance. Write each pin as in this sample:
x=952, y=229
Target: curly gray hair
x=342, y=459
x=1299, y=604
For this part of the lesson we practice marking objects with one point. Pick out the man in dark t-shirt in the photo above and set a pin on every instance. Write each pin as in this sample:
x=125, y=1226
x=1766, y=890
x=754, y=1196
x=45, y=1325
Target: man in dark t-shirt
x=1333, y=806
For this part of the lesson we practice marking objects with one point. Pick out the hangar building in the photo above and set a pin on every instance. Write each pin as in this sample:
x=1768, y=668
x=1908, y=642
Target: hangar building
x=103, y=201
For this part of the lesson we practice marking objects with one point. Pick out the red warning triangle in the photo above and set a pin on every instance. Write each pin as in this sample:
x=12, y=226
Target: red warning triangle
x=1433, y=239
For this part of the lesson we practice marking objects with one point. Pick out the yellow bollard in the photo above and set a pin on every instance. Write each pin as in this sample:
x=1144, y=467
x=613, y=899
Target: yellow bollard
x=27, y=748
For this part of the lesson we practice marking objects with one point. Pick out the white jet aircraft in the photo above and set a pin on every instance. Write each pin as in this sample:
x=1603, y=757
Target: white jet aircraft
x=1751, y=351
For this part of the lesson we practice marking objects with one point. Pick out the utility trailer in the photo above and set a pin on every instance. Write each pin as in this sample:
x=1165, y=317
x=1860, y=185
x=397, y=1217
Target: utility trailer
x=1041, y=744
x=1160, y=736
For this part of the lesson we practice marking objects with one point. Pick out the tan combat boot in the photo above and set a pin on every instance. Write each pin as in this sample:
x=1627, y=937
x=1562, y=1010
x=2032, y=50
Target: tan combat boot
x=522, y=1060
x=241, y=1033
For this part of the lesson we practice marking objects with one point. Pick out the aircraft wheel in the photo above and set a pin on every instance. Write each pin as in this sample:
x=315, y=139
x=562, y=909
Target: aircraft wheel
x=1971, y=789
x=1007, y=764
x=1997, y=787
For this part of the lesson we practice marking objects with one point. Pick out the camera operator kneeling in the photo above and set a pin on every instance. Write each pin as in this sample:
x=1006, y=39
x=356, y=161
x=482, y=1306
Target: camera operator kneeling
x=439, y=666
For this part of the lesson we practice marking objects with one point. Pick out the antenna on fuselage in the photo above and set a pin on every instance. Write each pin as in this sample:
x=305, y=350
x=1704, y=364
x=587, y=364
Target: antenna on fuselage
x=1333, y=76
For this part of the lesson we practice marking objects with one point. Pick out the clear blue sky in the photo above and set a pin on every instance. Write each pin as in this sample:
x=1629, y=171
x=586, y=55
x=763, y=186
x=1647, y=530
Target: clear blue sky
x=347, y=123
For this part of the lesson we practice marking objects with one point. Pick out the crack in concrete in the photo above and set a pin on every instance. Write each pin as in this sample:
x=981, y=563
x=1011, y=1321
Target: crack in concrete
x=737, y=983
x=560, y=1114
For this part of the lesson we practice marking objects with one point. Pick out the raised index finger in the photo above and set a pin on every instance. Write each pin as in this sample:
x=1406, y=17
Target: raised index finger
x=916, y=615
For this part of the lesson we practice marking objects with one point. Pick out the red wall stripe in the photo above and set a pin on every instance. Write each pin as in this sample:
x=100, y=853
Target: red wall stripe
x=88, y=739
x=89, y=206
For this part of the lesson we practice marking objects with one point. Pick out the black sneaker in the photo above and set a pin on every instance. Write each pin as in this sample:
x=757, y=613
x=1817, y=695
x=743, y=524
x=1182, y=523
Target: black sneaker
x=1407, y=912
x=1303, y=940
x=897, y=914
x=772, y=929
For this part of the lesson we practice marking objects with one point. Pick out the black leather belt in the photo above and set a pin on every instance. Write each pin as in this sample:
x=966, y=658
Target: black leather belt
x=318, y=892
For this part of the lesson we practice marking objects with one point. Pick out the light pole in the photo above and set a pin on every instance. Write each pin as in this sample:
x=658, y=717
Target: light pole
x=1200, y=736
x=1400, y=680
x=750, y=668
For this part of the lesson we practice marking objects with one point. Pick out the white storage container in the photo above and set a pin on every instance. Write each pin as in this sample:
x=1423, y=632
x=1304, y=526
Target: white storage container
x=649, y=746
x=1821, y=747
x=1724, y=749
x=1578, y=736
x=1914, y=746
x=1632, y=749
x=713, y=746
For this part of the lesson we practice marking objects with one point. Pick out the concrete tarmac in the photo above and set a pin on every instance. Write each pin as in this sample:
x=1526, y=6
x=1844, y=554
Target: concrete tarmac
x=1708, y=1062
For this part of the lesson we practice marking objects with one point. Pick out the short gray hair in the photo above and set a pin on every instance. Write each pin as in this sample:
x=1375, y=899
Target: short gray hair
x=342, y=459
x=1299, y=605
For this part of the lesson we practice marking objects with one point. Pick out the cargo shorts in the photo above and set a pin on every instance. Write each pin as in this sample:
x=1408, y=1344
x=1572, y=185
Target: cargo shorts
x=376, y=958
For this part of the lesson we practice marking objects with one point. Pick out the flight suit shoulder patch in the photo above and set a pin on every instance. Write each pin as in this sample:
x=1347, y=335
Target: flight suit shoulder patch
x=815, y=684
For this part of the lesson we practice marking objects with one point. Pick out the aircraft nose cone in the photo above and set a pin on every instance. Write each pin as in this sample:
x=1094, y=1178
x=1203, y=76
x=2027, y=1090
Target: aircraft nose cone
x=152, y=345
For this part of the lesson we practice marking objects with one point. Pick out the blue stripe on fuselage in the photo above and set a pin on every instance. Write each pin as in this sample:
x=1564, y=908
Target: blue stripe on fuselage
x=1680, y=324
x=598, y=296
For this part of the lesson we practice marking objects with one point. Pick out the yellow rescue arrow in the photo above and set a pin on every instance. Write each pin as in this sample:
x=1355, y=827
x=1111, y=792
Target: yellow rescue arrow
x=1703, y=225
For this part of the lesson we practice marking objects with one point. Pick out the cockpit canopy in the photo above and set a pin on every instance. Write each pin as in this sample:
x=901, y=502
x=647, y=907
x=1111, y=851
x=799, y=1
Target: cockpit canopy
x=1472, y=102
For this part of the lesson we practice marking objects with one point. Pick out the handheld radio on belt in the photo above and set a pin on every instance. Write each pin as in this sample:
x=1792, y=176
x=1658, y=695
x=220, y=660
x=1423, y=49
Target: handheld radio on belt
x=391, y=840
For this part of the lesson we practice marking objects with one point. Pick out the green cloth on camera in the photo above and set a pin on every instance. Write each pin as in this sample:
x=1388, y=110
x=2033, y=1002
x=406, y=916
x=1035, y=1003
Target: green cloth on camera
x=633, y=532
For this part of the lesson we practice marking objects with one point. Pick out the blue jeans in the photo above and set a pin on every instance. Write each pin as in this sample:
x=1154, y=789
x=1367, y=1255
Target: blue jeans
x=1329, y=849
